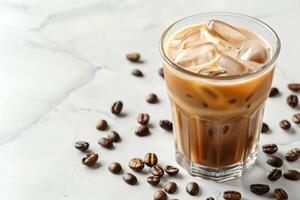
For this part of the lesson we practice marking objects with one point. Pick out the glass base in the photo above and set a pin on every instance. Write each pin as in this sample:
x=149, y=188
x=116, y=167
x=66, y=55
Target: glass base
x=220, y=175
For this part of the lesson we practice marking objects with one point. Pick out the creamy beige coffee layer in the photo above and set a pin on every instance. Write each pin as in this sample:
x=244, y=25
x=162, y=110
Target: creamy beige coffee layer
x=216, y=48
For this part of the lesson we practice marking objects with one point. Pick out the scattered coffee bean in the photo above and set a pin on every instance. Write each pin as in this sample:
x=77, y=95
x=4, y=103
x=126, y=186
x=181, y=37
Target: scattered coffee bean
x=292, y=101
x=90, y=159
x=151, y=98
x=296, y=118
x=166, y=124
x=114, y=136
x=133, y=57
x=137, y=73
x=161, y=72
x=273, y=92
x=270, y=148
x=153, y=180
x=102, y=125
x=280, y=194
x=292, y=155
x=143, y=118
x=171, y=170
x=105, y=142
x=157, y=170
x=232, y=195
x=170, y=187
x=274, y=174
x=115, y=167
x=136, y=164
x=285, y=124
x=130, y=178
x=82, y=146
x=192, y=188
x=117, y=107
x=274, y=161
x=292, y=174
x=150, y=159
x=259, y=189
x=295, y=87
x=160, y=195
x=142, y=130
x=210, y=198
x=265, y=128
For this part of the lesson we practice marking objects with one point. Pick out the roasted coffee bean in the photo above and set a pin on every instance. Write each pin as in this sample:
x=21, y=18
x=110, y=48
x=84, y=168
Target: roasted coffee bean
x=210, y=198
x=292, y=174
x=136, y=164
x=161, y=72
x=153, y=180
x=292, y=155
x=170, y=187
x=137, y=72
x=142, y=130
x=274, y=174
x=259, y=189
x=115, y=167
x=82, y=146
x=90, y=159
x=133, y=57
x=273, y=92
x=280, y=194
x=114, y=136
x=151, y=98
x=105, y=142
x=150, y=159
x=192, y=188
x=274, y=161
x=292, y=101
x=143, y=118
x=232, y=195
x=166, y=124
x=116, y=108
x=157, y=170
x=296, y=118
x=160, y=195
x=270, y=148
x=285, y=124
x=130, y=178
x=101, y=125
x=171, y=170
x=295, y=87
x=265, y=128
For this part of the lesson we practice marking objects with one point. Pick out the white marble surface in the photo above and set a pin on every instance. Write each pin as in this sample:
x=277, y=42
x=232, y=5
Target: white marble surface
x=62, y=65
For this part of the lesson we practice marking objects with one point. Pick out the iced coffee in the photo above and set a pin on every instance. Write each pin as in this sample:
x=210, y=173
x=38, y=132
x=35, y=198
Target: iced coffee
x=218, y=75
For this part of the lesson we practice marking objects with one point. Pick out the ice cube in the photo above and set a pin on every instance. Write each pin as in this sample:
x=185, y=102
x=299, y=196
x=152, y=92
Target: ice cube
x=189, y=36
x=254, y=51
x=232, y=66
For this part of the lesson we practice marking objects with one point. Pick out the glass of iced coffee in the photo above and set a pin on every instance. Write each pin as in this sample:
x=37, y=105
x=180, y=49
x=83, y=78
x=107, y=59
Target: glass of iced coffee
x=218, y=69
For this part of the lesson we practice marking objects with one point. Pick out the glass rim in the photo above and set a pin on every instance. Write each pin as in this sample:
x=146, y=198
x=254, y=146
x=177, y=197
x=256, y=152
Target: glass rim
x=265, y=67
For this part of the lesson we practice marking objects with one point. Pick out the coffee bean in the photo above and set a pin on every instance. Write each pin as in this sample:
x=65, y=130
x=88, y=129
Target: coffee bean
x=142, y=130
x=171, y=170
x=274, y=174
x=166, y=124
x=137, y=73
x=151, y=98
x=90, y=159
x=105, y=142
x=160, y=195
x=157, y=170
x=292, y=174
x=143, y=118
x=274, y=161
x=116, y=108
x=210, y=198
x=161, y=72
x=170, y=187
x=114, y=136
x=115, y=167
x=295, y=87
x=259, y=189
x=150, y=159
x=265, y=128
x=153, y=180
x=292, y=101
x=82, y=146
x=292, y=155
x=232, y=195
x=270, y=148
x=296, y=118
x=192, y=188
x=285, y=124
x=136, y=164
x=133, y=57
x=273, y=92
x=280, y=194
x=130, y=178
x=101, y=125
